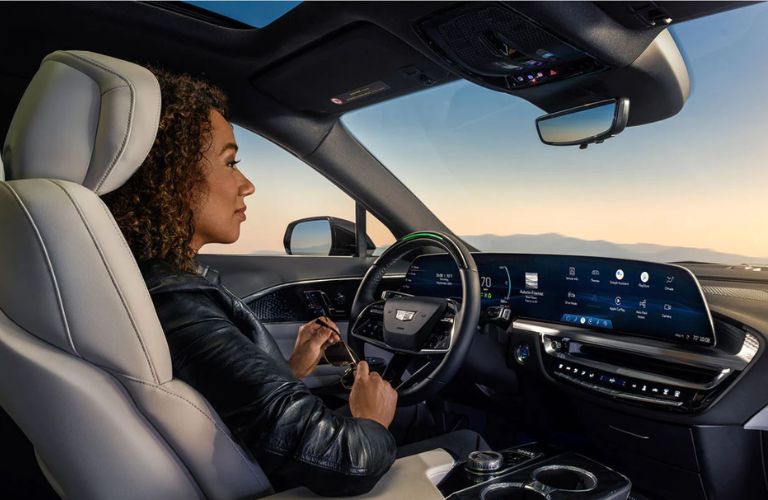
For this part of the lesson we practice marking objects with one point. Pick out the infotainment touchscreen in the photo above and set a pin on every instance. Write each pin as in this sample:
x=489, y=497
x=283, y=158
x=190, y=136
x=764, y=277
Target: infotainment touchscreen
x=618, y=296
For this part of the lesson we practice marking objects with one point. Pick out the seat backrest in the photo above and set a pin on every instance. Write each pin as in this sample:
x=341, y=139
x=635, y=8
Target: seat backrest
x=85, y=370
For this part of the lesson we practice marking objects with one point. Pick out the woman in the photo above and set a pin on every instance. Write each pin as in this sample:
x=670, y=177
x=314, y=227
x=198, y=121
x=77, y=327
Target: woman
x=187, y=193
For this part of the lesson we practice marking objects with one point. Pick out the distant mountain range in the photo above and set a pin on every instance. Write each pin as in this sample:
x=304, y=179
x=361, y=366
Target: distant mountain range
x=554, y=243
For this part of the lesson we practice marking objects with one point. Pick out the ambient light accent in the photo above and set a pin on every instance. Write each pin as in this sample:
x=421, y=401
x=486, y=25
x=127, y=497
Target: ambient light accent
x=422, y=235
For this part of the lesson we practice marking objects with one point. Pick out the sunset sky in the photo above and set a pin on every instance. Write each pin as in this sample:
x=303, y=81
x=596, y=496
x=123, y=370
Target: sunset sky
x=698, y=179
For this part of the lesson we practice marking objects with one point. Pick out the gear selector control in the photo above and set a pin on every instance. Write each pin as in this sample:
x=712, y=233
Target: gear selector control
x=484, y=462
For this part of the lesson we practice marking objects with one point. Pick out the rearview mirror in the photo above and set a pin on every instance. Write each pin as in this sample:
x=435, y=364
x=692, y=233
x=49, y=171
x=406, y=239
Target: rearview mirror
x=583, y=125
x=322, y=236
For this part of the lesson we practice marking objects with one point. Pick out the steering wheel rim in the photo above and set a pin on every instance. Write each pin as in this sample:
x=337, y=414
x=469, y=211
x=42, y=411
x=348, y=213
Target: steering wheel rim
x=465, y=318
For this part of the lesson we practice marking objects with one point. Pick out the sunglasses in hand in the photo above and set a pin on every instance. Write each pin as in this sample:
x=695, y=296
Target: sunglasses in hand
x=339, y=354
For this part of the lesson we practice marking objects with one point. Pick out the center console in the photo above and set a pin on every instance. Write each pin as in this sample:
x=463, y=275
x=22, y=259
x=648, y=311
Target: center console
x=533, y=472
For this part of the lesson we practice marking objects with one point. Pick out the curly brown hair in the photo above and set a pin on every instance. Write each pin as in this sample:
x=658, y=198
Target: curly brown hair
x=154, y=208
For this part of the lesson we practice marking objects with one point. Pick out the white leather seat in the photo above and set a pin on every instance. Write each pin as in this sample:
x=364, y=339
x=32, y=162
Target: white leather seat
x=84, y=366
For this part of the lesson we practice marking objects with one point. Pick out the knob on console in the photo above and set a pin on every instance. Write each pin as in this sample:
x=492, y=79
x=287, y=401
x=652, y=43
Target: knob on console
x=484, y=461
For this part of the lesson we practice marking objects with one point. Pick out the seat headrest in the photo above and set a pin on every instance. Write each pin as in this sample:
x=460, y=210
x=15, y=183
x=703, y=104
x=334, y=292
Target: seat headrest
x=86, y=118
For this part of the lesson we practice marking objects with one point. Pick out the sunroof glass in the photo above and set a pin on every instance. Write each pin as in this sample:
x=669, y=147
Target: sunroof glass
x=256, y=14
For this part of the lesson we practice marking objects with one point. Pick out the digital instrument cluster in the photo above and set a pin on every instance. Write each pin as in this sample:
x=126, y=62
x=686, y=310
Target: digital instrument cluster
x=661, y=301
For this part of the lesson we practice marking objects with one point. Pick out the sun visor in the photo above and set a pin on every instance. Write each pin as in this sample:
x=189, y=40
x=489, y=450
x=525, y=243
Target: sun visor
x=355, y=67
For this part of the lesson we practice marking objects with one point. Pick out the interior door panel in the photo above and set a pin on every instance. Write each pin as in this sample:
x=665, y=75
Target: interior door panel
x=247, y=274
x=287, y=291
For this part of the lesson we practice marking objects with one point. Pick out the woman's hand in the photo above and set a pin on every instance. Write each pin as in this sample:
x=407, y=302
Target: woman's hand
x=372, y=397
x=313, y=338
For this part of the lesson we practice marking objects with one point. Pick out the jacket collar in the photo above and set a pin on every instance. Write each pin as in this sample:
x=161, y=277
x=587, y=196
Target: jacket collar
x=161, y=276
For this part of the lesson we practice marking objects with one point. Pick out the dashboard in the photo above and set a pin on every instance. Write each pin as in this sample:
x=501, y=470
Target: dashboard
x=679, y=414
x=613, y=296
x=635, y=332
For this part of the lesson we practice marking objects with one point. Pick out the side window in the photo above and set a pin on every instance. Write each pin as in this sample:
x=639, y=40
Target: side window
x=381, y=235
x=286, y=189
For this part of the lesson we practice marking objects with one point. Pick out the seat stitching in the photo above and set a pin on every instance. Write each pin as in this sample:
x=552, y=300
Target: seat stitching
x=111, y=218
x=116, y=377
x=112, y=278
x=48, y=264
x=104, y=92
x=120, y=151
x=136, y=267
x=224, y=432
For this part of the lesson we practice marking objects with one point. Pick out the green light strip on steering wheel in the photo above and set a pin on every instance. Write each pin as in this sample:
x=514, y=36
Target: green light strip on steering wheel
x=420, y=235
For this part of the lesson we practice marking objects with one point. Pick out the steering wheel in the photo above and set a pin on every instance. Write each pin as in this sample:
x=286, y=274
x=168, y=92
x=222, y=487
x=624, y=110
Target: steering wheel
x=427, y=336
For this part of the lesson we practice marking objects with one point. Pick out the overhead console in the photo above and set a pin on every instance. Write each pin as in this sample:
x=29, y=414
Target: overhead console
x=638, y=332
x=535, y=51
x=496, y=45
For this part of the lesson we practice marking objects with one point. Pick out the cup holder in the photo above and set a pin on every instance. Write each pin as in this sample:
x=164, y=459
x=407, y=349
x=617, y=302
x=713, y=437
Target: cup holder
x=510, y=491
x=565, y=478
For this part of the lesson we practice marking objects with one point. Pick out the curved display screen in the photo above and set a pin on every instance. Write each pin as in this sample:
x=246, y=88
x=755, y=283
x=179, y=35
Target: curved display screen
x=618, y=296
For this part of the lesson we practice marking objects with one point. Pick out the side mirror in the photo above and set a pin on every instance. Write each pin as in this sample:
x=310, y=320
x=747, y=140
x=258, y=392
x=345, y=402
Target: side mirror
x=584, y=125
x=322, y=236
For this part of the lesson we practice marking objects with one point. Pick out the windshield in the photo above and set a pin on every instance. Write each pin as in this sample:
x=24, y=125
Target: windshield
x=693, y=187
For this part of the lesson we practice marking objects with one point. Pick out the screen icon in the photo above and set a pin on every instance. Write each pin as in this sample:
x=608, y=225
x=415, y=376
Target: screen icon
x=595, y=272
x=667, y=307
x=644, y=277
x=571, y=295
x=583, y=320
x=617, y=301
x=532, y=280
x=619, y=274
x=670, y=279
x=643, y=303
x=571, y=271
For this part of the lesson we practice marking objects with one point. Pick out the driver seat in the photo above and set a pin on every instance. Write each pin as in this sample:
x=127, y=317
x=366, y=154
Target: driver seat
x=85, y=370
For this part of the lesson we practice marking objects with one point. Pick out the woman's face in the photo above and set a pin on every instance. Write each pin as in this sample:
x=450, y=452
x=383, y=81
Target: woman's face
x=218, y=215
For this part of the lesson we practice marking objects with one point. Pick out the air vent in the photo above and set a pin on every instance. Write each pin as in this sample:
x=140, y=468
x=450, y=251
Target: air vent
x=737, y=293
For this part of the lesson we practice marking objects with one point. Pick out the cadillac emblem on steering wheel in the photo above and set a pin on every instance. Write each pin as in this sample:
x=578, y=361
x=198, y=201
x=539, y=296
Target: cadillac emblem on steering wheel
x=403, y=315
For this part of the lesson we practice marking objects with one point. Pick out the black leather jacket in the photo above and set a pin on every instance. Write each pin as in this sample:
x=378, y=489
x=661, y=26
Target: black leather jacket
x=219, y=347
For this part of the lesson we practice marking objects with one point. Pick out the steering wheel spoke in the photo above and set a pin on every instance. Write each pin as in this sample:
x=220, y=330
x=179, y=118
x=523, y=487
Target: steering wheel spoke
x=404, y=370
x=396, y=368
x=369, y=325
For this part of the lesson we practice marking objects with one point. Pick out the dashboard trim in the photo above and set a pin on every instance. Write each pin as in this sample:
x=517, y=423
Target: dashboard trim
x=644, y=346
x=629, y=372
x=618, y=394
x=266, y=291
